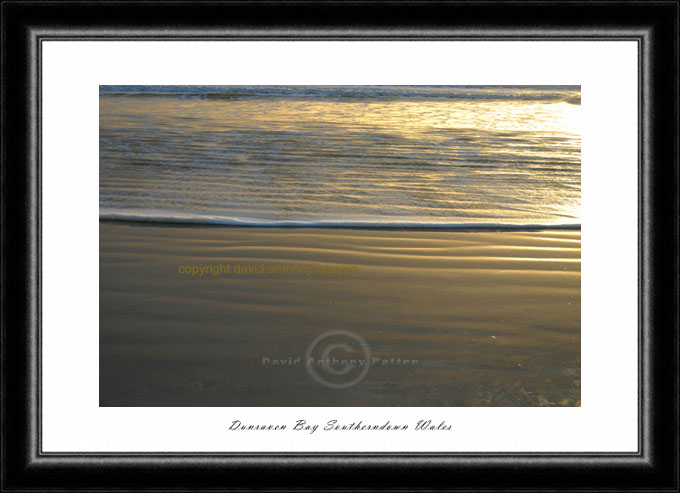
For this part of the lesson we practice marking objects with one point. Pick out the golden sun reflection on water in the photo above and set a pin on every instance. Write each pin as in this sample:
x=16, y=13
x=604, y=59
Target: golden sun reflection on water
x=447, y=160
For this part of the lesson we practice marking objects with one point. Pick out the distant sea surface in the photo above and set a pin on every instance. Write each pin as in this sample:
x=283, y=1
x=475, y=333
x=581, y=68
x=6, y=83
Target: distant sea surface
x=435, y=156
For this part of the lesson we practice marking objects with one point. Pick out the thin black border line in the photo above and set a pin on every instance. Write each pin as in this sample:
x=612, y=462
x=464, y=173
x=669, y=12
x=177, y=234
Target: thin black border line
x=344, y=36
x=39, y=88
x=643, y=437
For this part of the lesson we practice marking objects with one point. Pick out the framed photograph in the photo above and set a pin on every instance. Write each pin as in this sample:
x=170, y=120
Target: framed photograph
x=414, y=245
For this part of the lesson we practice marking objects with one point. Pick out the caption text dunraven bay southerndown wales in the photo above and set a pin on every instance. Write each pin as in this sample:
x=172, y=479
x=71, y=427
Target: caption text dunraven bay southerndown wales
x=335, y=425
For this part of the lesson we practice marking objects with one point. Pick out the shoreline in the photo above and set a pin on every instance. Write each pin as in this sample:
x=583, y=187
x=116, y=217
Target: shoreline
x=462, y=227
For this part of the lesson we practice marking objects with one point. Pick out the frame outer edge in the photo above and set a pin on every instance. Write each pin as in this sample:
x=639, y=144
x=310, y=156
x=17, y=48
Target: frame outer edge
x=35, y=469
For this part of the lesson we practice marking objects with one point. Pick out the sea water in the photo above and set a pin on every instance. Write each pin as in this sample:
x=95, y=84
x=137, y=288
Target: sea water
x=371, y=156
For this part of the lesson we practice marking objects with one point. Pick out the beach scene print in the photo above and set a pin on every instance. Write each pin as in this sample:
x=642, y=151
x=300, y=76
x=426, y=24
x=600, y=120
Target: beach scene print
x=327, y=246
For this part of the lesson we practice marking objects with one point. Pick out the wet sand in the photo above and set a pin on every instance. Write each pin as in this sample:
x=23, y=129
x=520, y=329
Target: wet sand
x=483, y=318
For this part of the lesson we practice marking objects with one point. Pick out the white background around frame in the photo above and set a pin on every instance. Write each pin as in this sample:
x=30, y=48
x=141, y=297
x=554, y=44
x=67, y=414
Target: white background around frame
x=72, y=73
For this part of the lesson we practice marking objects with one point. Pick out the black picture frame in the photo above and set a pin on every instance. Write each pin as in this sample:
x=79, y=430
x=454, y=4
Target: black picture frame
x=654, y=25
